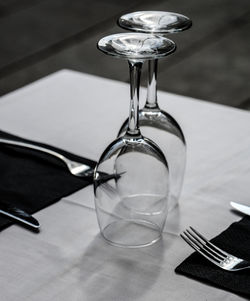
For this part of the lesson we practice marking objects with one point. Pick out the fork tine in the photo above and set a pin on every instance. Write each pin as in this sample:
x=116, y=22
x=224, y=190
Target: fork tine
x=205, y=245
x=199, y=250
x=201, y=246
x=209, y=243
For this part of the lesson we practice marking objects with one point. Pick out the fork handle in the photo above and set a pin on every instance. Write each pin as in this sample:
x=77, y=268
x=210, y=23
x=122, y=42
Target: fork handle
x=34, y=147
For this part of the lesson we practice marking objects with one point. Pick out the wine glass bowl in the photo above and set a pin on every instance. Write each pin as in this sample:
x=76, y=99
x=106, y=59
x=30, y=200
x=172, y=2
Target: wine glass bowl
x=132, y=207
x=166, y=132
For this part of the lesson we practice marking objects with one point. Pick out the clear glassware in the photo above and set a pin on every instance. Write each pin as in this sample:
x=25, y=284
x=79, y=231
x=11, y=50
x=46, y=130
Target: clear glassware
x=154, y=122
x=131, y=178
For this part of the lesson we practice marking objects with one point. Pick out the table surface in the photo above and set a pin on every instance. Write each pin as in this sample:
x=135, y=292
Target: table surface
x=68, y=260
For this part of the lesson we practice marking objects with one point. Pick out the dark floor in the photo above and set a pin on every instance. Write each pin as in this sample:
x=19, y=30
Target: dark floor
x=212, y=62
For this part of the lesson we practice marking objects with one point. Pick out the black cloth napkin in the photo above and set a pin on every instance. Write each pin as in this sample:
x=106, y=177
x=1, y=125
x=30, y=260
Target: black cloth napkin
x=234, y=240
x=32, y=180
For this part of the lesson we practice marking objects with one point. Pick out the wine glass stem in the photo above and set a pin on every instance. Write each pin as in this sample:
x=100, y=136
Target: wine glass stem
x=151, y=101
x=135, y=75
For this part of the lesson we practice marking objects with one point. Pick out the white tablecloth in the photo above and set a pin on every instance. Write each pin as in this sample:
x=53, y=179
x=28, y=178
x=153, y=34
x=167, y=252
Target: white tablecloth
x=68, y=260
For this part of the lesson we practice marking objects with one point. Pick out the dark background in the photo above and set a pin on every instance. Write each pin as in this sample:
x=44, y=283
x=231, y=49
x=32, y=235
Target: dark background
x=39, y=37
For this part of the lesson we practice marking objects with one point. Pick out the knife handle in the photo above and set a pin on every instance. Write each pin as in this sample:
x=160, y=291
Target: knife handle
x=18, y=214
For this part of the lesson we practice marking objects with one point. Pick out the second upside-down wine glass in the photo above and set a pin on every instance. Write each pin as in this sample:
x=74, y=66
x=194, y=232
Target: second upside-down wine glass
x=131, y=178
x=154, y=122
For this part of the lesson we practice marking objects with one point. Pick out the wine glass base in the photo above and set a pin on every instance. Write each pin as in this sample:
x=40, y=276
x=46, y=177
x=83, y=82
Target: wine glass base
x=131, y=233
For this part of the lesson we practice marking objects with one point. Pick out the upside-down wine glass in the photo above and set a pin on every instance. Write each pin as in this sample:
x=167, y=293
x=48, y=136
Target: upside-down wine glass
x=154, y=122
x=131, y=177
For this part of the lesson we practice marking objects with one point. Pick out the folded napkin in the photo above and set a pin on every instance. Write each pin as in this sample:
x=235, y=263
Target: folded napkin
x=32, y=180
x=234, y=240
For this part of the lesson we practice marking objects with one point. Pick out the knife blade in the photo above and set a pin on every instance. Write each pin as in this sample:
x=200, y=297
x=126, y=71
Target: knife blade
x=18, y=214
x=241, y=208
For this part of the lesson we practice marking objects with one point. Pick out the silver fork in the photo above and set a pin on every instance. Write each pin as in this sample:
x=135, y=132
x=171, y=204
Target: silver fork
x=214, y=254
x=75, y=168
